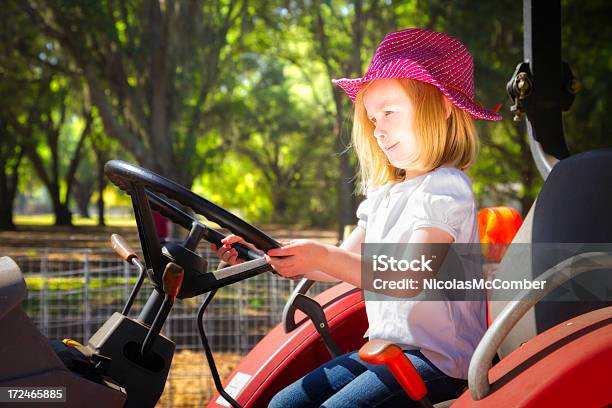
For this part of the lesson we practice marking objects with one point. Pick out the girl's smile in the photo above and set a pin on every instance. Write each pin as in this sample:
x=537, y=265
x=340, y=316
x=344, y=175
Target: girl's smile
x=388, y=149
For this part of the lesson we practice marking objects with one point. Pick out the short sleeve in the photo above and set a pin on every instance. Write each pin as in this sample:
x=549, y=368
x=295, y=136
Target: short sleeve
x=368, y=205
x=445, y=201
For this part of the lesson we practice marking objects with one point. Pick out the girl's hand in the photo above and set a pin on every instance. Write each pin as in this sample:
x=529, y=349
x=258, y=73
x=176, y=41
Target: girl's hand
x=297, y=257
x=228, y=254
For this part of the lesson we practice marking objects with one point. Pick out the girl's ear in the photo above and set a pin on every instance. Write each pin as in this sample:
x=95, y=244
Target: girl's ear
x=448, y=106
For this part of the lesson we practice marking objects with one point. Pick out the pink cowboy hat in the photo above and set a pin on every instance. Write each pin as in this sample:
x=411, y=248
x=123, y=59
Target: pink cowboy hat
x=426, y=56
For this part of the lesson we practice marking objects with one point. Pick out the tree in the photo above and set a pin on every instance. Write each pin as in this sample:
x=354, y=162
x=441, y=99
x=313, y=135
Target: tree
x=340, y=33
x=149, y=68
x=282, y=140
x=587, y=36
x=16, y=109
x=46, y=144
x=165, y=77
x=104, y=149
x=11, y=156
x=11, y=153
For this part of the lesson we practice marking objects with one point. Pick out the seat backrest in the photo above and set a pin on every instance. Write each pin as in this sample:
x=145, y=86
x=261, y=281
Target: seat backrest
x=572, y=207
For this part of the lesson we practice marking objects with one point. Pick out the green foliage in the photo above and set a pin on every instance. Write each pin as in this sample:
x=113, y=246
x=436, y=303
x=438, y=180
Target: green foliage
x=586, y=48
x=234, y=98
x=238, y=186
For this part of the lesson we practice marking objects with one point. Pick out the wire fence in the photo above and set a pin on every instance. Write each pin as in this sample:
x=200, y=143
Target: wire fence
x=72, y=292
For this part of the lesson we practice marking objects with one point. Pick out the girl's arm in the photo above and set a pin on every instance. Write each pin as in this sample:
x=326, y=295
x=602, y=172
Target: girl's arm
x=317, y=261
x=299, y=257
x=346, y=266
x=330, y=263
x=431, y=236
x=352, y=244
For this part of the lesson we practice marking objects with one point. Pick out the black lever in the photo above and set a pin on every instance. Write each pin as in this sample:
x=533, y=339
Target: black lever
x=289, y=311
x=313, y=310
x=298, y=300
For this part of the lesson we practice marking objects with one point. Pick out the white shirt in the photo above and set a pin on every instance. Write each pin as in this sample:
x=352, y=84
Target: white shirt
x=446, y=332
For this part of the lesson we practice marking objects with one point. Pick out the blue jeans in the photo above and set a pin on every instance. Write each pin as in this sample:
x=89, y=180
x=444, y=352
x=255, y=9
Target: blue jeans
x=347, y=381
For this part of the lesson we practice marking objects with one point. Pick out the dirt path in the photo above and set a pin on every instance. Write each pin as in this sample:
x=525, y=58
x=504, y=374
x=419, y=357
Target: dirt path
x=190, y=383
x=33, y=237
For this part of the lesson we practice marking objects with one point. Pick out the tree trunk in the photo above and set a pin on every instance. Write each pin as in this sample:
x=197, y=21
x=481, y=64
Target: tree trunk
x=6, y=204
x=279, y=202
x=6, y=216
x=101, y=186
x=83, y=205
x=82, y=195
x=63, y=216
x=345, y=183
x=8, y=190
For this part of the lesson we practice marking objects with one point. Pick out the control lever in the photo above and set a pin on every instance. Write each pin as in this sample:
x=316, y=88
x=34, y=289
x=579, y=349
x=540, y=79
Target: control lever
x=172, y=281
x=121, y=247
x=379, y=351
x=314, y=310
x=311, y=308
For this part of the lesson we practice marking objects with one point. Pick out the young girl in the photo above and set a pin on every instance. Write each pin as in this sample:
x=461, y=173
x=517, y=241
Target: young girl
x=414, y=136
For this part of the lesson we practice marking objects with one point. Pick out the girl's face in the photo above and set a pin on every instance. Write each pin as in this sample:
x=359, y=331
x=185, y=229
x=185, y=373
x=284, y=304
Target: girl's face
x=391, y=112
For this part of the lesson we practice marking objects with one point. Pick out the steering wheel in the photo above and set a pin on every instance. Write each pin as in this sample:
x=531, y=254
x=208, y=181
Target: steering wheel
x=150, y=191
x=144, y=187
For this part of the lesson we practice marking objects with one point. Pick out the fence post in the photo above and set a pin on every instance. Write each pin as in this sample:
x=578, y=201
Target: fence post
x=276, y=314
x=87, y=311
x=44, y=266
x=242, y=340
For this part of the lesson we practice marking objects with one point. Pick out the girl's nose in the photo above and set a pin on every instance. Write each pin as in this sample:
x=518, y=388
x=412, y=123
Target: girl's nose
x=379, y=133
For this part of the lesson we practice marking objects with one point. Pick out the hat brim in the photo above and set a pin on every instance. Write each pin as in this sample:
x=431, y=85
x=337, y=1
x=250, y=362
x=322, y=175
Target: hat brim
x=405, y=68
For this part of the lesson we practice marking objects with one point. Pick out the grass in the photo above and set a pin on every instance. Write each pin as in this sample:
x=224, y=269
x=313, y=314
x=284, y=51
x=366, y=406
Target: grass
x=63, y=283
x=77, y=220
x=65, y=291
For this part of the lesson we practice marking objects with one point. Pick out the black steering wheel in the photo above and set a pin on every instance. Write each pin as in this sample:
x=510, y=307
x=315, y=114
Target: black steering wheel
x=150, y=191
x=145, y=188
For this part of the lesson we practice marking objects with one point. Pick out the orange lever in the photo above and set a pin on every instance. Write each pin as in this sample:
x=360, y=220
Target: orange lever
x=121, y=247
x=384, y=352
x=172, y=279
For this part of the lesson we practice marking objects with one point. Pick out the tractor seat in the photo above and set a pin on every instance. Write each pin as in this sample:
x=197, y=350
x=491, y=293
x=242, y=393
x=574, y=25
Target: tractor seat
x=572, y=208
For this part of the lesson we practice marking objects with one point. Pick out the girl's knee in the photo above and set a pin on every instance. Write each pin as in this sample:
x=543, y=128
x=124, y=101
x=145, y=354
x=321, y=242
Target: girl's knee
x=318, y=385
x=290, y=397
x=276, y=402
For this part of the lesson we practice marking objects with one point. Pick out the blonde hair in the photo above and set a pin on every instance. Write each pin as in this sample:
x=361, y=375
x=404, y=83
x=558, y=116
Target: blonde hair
x=439, y=140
